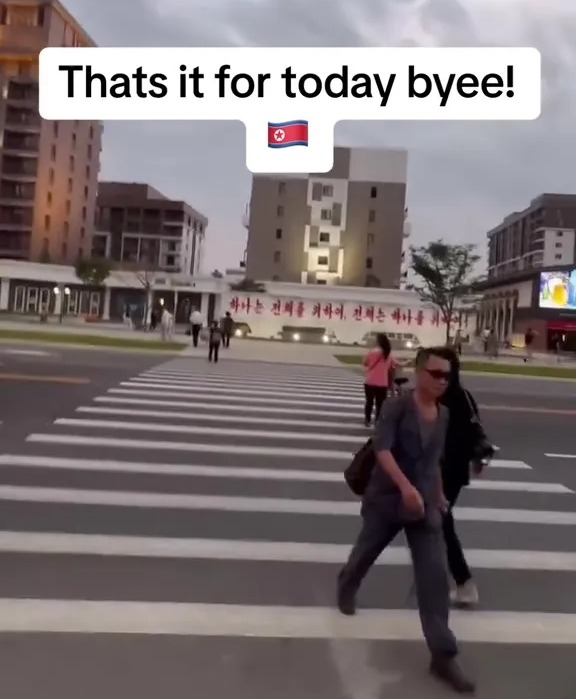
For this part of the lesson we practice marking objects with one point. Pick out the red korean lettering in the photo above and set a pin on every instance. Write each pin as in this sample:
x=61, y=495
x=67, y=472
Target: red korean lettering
x=381, y=315
x=369, y=313
x=339, y=311
x=358, y=313
x=327, y=310
x=435, y=318
x=289, y=308
x=316, y=310
x=235, y=304
x=246, y=305
x=259, y=307
x=420, y=318
x=300, y=309
x=408, y=318
x=277, y=308
x=397, y=316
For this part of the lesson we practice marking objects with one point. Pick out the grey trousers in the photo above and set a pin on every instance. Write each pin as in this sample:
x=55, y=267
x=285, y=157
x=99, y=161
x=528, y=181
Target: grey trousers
x=381, y=524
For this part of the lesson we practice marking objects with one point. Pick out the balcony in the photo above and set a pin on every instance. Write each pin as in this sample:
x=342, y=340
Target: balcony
x=19, y=143
x=16, y=218
x=22, y=120
x=24, y=93
x=14, y=245
x=19, y=169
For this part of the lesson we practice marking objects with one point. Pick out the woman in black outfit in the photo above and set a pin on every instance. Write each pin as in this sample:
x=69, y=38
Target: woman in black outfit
x=460, y=456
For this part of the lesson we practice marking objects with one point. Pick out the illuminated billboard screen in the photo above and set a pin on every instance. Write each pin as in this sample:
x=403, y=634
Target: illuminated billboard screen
x=558, y=290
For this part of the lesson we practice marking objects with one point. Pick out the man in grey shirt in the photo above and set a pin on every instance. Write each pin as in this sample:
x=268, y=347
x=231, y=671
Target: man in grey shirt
x=405, y=492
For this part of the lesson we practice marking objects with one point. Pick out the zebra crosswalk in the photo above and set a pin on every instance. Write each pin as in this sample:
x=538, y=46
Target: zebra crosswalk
x=205, y=500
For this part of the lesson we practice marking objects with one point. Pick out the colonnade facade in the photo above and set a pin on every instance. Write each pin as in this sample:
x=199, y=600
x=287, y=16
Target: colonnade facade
x=497, y=312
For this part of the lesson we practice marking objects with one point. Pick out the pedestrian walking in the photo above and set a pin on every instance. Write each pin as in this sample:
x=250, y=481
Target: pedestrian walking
x=379, y=371
x=492, y=344
x=196, y=321
x=405, y=492
x=214, y=342
x=467, y=450
x=529, y=337
x=166, y=325
x=227, y=329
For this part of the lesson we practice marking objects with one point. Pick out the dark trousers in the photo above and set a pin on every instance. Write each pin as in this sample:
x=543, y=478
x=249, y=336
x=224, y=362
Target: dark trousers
x=213, y=351
x=380, y=526
x=226, y=339
x=457, y=564
x=374, y=395
x=196, y=334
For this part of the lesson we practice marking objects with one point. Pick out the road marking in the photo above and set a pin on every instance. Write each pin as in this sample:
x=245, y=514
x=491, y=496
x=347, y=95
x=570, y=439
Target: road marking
x=339, y=508
x=56, y=543
x=561, y=456
x=279, y=380
x=226, y=419
x=71, y=380
x=28, y=353
x=317, y=386
x=151, y=427
x=227, y=620
x=519, y=409
x=119, y=443
x=236, y=472
x=223, y=407
x=199, y=389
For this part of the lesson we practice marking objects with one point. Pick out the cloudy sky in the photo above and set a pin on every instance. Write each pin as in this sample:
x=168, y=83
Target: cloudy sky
x=463, y=178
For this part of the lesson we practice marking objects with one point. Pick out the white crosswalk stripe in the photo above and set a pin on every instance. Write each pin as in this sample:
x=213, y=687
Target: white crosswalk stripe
x=237, y=470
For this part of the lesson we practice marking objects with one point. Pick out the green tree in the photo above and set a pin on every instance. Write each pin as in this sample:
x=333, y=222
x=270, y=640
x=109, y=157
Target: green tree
x=93, y=272
x=445, y=275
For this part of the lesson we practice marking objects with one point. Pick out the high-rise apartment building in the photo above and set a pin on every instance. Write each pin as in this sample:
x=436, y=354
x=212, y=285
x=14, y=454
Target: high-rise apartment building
x=48, y=170
x=137, y=226
x=345, y=227
x=541, y=235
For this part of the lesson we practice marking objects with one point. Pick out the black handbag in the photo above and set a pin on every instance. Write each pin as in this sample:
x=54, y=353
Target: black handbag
x=357, y=474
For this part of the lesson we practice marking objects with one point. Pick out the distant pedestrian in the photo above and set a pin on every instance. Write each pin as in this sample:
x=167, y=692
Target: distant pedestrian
x=196, y=321
x=214, y=342
x=379, y=370
x=529, y=337
x=167, y=325
x=153, y=320
x=227, y=329
x=492, y=344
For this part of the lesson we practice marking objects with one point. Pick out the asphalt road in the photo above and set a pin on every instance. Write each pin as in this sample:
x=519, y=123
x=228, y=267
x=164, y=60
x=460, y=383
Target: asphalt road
x=144, y=494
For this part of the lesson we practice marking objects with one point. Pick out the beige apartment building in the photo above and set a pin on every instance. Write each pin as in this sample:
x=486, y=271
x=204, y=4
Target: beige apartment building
x=48, y=170
x=345, y=227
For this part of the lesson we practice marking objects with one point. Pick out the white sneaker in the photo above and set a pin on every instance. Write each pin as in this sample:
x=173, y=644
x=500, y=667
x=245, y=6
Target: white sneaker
x=466, y=595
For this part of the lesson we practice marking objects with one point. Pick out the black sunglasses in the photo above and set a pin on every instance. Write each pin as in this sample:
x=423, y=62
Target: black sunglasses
x=439, y=375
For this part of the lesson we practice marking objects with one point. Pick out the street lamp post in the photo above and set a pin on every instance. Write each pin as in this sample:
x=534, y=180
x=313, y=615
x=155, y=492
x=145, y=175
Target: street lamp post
x=65, y=292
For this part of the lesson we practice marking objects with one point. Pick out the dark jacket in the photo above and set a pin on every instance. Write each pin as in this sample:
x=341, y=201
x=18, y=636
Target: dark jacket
x=215, y=336
x=459, y=449
x=227, y=325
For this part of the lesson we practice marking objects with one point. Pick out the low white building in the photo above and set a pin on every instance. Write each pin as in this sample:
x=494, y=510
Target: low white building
x=285, y=311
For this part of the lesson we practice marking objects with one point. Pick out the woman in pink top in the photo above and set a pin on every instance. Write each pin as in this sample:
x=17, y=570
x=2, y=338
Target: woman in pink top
x=379, y=369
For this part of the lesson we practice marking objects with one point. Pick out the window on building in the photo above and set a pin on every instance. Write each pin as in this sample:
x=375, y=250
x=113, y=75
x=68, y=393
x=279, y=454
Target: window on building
x=558, y=257
x=88, y=173
x=70, y=185
x=53, y=153
x=49, y=199
x=89, y=152
x=278, y=234
x=370, y=239
x=277, y=256
x=51, y=176
x=82, y=233
x=559, y=234
x=56, y=128
x=275, y=278
x=68, y=207
x=322, y=282
x=64, y=250
x=369, y=263
x=91, y=132
x=281, y=187
x=324, y=237
x=326, y=214
x=371, y=216
x=84, y=213
x=47, y=221
x=373, y=192
x=558, y=245
x=41, y=15
x=66, y=229
x=322, y=260
x=280, y=211
x=72, y=163
x=74, y=140
x=85, y=192
x=327, y=190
